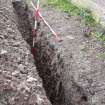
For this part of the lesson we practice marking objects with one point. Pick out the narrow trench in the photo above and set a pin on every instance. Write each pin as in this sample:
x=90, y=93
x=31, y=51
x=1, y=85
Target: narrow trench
x=43, y=55
x=48, y=63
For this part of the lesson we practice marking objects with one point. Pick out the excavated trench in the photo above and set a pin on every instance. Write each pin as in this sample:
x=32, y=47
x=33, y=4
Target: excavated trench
x=49, y=63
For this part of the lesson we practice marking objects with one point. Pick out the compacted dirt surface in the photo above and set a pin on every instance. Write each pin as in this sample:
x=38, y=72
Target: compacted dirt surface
x=81, y=56
x=19, y=80
x=72, y=70
x=100, y=2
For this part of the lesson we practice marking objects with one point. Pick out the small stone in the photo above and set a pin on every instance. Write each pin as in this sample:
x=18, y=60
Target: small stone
x=52, y=46
x=24, y=71
x=39, y=99
x=16, y=44
x=68, y=16
x=1, y=37
x=7, y=76
x=69, y=37
x=15, y=73
x=21, y=67
x=31, y=79
x=3, y=52
x=0, y=71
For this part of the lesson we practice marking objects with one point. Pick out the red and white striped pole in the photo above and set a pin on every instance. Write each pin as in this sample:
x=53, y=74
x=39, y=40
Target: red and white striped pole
x=34, y=31
x=40, y=15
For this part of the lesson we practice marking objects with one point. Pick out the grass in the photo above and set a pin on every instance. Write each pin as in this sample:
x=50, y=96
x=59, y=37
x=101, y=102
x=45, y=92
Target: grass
x=102, y=56
x=100, y=36
x=68, y=7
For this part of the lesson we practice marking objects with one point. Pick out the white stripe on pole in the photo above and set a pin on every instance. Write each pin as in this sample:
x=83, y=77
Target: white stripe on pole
x=38, y=4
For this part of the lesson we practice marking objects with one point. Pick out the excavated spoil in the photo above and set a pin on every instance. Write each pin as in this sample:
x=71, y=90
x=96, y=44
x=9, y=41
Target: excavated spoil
x=59, y=85
x=20, y=83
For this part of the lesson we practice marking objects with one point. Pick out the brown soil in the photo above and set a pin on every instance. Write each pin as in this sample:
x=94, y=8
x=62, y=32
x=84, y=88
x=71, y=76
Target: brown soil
x=72, y=71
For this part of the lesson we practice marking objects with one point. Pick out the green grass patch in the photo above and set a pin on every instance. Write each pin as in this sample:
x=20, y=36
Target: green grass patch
x=64, y=5
x=102, y=56
x=68, y=7
x=100, y=36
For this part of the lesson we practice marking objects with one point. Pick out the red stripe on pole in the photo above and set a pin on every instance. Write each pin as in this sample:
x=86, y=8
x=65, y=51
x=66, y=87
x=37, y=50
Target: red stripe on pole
x=40, y=15
x=33, y=50
x=37, y=13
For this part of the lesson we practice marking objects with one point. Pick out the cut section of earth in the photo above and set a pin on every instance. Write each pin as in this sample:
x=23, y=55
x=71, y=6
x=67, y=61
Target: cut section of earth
x=72, y=71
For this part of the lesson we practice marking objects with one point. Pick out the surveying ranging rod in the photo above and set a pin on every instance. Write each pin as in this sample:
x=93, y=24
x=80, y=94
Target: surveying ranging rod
x=40, y=15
